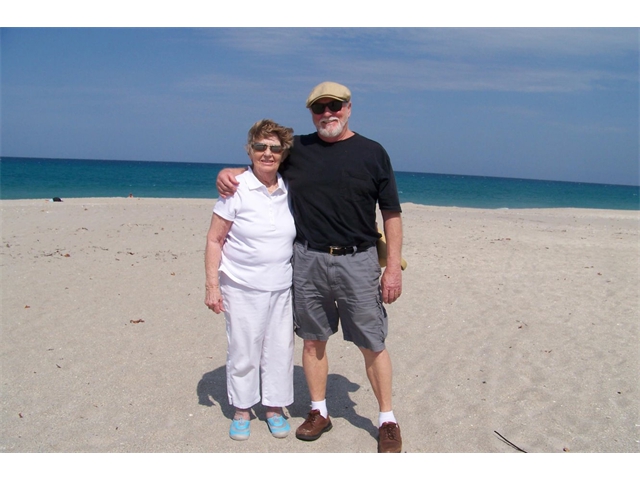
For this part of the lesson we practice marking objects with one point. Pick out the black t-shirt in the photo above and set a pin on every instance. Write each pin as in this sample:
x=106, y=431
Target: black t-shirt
x=334, y=188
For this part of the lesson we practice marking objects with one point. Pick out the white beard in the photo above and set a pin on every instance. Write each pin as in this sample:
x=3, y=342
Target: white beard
x=332, y=130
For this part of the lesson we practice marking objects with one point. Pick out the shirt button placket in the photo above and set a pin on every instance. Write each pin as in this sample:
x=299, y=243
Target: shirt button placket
x=272, y=218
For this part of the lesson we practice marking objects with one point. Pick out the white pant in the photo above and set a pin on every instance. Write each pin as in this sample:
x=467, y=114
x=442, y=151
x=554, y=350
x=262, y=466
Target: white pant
x=260, y=339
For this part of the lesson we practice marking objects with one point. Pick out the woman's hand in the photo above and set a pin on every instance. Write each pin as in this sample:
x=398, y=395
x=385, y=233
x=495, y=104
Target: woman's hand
x=216, y=236
x=213, y=298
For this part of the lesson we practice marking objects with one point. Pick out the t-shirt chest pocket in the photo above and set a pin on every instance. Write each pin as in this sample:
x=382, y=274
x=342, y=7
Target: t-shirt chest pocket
x=355, y=185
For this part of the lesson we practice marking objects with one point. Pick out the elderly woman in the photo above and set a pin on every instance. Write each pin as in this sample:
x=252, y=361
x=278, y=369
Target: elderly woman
x=248, y=277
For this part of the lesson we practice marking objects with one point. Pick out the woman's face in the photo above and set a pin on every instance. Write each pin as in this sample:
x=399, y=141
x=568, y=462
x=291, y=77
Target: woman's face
x=266, y=162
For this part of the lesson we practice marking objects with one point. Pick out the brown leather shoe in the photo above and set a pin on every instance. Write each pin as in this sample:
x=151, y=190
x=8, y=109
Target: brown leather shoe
x=389, y=439
x=314, y=426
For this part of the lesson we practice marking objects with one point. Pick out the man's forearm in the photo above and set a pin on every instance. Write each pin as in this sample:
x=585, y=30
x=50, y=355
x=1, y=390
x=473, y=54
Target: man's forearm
x=392, y=222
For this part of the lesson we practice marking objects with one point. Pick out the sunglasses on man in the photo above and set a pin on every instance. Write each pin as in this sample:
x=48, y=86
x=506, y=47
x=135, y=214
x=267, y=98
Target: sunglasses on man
x=334, y=106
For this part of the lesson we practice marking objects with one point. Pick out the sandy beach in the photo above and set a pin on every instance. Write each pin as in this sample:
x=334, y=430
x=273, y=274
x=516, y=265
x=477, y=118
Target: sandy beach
x=520, y=322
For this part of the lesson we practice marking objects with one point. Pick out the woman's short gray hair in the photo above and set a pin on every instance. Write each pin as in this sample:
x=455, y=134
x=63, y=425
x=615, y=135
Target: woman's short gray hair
x=267, y=127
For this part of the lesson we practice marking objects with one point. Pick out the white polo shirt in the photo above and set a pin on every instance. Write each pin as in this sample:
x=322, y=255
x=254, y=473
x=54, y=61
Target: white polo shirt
x=258, y=249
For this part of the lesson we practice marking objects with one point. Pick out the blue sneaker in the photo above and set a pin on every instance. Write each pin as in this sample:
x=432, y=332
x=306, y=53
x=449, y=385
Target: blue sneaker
x=278, y=426
x=240, y=429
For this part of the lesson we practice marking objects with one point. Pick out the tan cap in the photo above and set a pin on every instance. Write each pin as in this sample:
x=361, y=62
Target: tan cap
x=329, y=90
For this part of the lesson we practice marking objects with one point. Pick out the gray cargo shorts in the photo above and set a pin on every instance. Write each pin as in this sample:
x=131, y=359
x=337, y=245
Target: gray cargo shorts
x=331, y=289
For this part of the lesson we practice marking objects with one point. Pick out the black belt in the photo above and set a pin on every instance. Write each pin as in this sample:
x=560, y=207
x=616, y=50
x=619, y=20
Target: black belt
x=342, y=250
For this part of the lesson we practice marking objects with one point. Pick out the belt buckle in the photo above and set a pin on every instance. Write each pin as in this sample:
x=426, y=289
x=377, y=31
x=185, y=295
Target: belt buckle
x=334, y=249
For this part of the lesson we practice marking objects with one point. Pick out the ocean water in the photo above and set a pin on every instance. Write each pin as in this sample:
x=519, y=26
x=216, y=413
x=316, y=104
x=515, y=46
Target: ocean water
x=22, y=178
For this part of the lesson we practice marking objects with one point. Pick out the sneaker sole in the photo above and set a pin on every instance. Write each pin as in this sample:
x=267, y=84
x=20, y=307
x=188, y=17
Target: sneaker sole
x=311, y=438
x=281, y=433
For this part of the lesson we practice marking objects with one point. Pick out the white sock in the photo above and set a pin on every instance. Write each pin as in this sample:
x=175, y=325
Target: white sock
x=322, y=406
x=385, y=417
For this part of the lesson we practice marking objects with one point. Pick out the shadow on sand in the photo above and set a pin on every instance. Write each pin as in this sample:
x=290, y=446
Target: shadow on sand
x=212, y=391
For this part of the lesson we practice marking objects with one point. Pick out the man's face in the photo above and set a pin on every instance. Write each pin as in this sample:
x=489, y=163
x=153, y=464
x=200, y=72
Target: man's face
x=331, y=126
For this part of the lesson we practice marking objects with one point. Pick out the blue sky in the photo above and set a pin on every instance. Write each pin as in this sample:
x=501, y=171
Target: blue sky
x=540, y=103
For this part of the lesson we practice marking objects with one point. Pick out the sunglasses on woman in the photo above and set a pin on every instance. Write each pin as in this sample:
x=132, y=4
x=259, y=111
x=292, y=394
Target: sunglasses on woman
x=262, y=147
x=334, y=106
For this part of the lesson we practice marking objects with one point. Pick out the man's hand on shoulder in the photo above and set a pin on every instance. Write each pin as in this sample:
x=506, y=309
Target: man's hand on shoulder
x=226, y=182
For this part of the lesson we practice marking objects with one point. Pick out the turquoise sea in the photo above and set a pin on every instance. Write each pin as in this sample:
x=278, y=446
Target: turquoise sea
x=22, y=178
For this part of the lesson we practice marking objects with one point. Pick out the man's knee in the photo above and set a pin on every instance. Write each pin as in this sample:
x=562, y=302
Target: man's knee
x=315, y=348
x=368, y=353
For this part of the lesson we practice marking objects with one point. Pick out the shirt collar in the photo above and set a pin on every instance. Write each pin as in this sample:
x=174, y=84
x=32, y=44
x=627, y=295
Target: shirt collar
x=254, y=184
